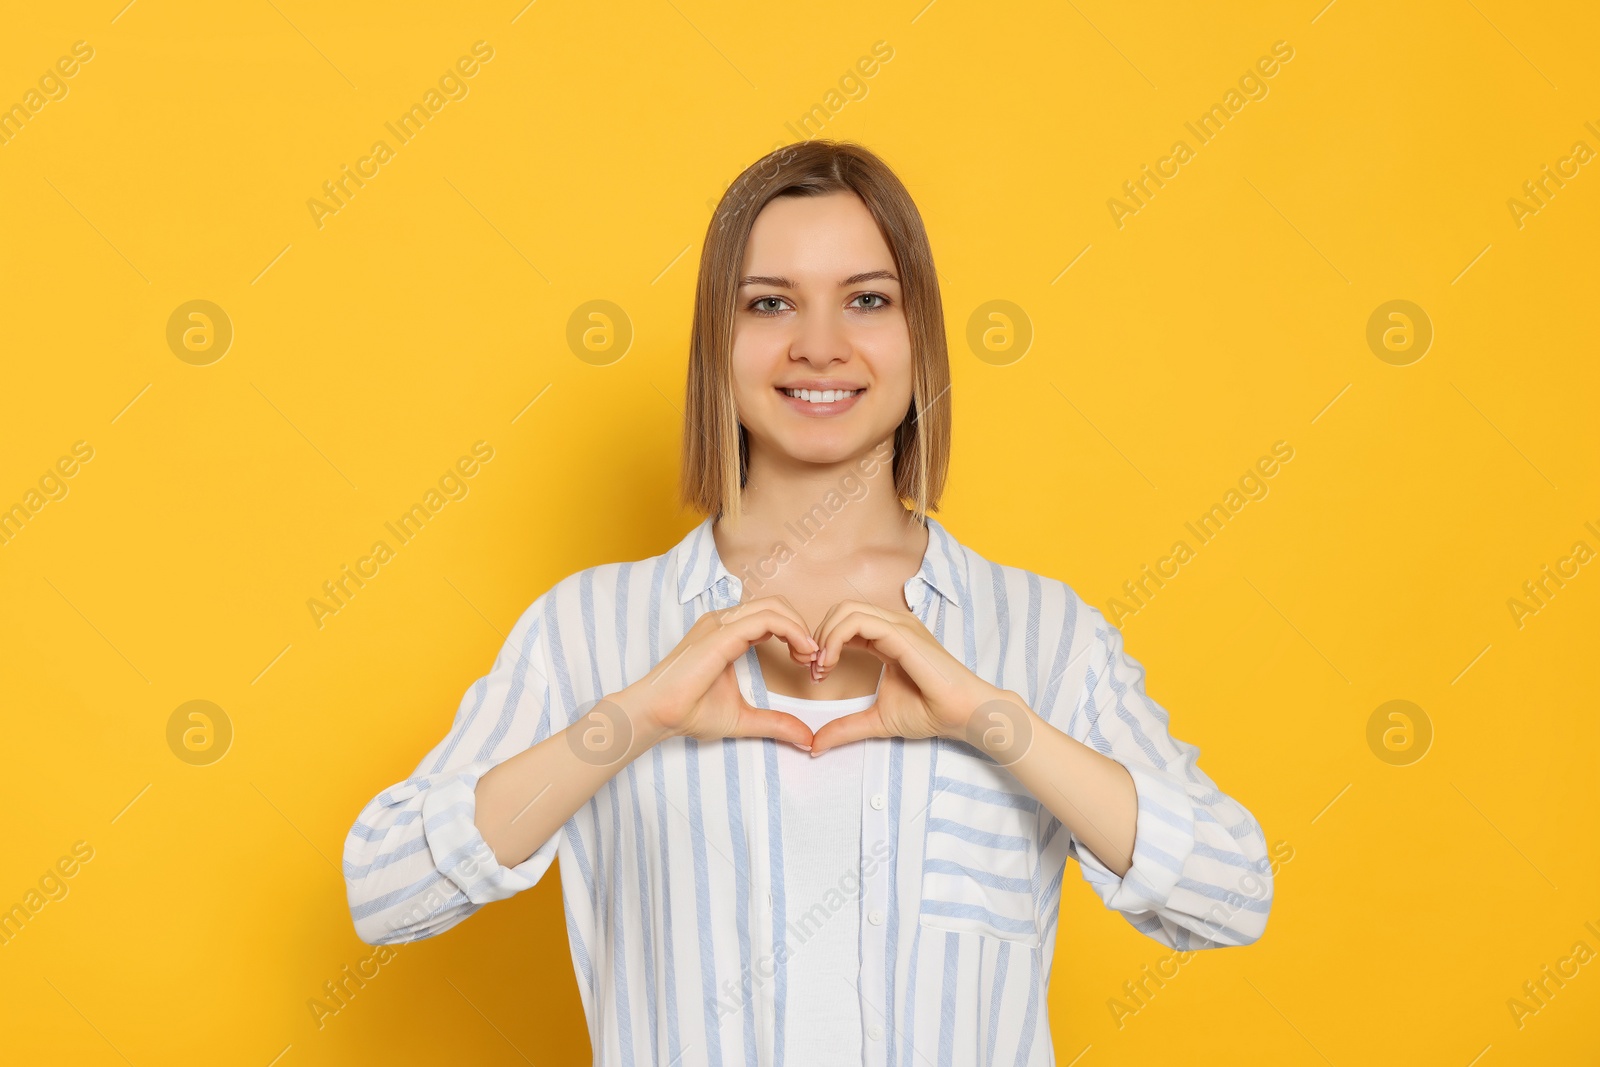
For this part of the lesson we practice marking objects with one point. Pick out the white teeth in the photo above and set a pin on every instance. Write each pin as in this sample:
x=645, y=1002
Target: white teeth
x=821, y=396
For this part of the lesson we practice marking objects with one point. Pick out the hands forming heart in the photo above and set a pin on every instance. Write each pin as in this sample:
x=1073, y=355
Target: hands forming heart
x=693, y=691
x=925, y=691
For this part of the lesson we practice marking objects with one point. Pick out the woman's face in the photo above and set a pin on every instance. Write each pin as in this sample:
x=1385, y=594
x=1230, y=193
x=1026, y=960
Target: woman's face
x=821, y=350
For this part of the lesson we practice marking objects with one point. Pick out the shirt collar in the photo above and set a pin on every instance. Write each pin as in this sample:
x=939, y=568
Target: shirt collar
x=700, y=568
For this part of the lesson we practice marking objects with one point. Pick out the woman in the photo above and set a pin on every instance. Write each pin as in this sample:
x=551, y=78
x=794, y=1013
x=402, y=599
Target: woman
x=891, y=896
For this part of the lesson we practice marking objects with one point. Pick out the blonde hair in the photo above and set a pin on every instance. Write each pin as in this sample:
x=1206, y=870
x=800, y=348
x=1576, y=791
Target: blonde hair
x=712, y=437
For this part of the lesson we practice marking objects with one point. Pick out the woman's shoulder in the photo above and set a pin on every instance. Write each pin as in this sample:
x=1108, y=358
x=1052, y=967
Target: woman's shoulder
x=625, y=586
x=1000, y=588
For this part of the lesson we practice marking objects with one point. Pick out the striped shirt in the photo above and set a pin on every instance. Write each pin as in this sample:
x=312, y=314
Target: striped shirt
x=672, y=882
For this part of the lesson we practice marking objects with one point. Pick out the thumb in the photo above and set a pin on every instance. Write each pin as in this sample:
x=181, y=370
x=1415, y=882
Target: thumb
x=778, y=725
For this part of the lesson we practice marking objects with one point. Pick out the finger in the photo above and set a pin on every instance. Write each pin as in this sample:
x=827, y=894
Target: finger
x=798, y=654
x=847, y=728
x=778, y=725
x=835, y=612
x=865, y=622
x=778, y=604
x=750, y=627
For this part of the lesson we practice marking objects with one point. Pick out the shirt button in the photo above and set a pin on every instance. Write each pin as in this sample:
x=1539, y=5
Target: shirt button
x=875, y=918
x=877, y=801
x=875, y=1032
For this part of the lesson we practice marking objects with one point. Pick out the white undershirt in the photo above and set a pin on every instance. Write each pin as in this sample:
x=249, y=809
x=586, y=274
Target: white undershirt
x=822, y=888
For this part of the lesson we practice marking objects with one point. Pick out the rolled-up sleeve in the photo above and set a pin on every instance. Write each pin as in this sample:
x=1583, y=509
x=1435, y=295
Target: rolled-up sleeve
x=1200, y=876
x=415, y=863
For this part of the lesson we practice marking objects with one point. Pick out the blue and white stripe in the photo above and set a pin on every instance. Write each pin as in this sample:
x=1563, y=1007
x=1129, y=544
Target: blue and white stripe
x=671, y=873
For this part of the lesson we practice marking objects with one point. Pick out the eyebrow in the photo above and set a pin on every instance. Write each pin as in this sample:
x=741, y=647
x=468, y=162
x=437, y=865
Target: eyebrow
x=780, y=282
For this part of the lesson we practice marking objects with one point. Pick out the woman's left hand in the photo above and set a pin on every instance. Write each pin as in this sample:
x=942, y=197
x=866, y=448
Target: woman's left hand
x=925, y=691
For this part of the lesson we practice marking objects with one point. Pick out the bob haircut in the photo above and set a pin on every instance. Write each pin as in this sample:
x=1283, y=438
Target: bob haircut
x=712, y=435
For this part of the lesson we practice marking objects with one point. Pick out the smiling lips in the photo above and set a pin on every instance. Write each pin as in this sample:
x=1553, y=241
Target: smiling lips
x=820, y=402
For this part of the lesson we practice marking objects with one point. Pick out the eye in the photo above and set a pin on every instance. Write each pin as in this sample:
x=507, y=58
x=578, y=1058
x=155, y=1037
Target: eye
x=756, y=305
x=883, y=301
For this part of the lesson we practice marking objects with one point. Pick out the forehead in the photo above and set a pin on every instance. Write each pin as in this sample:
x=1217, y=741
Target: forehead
x=816, y=238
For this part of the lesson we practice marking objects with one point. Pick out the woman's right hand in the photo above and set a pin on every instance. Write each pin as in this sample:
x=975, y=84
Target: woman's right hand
x=693, y=691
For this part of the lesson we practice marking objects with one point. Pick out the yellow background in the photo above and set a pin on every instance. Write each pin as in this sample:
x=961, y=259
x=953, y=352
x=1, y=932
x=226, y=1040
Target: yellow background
x=1228, y=314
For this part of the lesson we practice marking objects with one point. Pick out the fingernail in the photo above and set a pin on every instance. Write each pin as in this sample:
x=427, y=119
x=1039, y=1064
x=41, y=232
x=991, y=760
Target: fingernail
x=805, y=748
x=813, y=754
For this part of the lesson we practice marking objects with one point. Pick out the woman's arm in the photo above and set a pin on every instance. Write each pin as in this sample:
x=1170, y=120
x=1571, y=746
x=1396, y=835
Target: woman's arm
x=1153, y=835
x=415, y=863
x=480, y=818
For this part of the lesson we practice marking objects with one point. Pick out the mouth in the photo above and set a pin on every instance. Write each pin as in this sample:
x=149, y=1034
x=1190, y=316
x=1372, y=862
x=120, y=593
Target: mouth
x=820, y=402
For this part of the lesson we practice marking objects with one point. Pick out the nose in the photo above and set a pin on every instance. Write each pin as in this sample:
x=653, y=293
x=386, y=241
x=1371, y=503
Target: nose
x=821, y=339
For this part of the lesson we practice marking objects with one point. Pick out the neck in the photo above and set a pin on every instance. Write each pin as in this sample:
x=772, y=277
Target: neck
x=821, y=512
